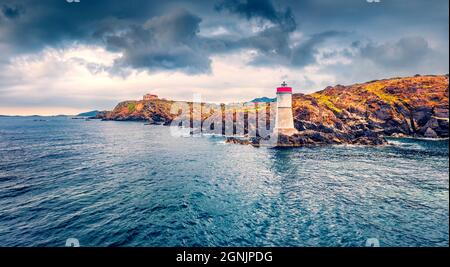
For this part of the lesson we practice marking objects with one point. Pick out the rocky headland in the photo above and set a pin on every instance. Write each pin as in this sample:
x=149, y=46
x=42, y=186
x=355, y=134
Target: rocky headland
x=360, y=114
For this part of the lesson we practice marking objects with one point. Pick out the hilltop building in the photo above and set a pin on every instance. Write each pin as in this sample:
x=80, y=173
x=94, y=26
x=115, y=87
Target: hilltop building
x=150, y=97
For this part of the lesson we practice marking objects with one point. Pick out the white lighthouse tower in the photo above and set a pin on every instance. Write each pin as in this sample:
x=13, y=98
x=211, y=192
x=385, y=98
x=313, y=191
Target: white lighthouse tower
x=284, y=123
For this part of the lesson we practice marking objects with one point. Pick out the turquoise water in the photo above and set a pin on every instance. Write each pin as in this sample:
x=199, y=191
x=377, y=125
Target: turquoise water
x=127, y=184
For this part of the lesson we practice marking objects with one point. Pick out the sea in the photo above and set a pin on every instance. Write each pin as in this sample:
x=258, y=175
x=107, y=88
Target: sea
x=109, y=183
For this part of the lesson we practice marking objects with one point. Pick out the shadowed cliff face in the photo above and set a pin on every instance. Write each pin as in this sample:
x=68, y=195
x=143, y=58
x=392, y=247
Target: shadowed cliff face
x=356, y=114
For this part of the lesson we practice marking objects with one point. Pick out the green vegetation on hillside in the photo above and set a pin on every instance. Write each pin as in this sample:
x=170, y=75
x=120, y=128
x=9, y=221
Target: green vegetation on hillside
x=326, y=100
x=131, y=107
x=376, y=88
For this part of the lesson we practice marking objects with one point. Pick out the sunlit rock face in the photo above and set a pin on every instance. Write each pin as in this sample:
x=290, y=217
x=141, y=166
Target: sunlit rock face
x=412, y=106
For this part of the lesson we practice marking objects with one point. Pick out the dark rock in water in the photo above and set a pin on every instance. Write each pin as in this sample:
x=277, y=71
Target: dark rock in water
x=314, y=138
x=430, y=133
x=240, y=141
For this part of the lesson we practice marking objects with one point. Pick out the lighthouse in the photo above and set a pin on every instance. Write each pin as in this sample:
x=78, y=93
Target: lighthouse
x=284, y=123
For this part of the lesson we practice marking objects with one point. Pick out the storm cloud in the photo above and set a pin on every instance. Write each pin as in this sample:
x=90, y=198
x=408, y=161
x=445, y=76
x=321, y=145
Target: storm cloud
x=11, y=12
x=169, y=42
x=260, y=9
x=407, y=51
x=29, y=26
x=167, y=37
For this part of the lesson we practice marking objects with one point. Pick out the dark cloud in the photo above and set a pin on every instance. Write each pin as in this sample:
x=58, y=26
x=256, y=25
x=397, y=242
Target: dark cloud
x=151, y=36
x=304, y=53
x=273, y=43
x=171, y=41
x=260, y=9
x=39, y=24
x=370, y=60
x=406, y=52
x=168, y=42
x=274, y=47
x=11, y=12
x=158, y=36
x=250, y=8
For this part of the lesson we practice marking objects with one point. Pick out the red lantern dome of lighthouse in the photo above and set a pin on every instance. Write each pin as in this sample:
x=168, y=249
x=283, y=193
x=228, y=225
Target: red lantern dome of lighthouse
x=284, y=88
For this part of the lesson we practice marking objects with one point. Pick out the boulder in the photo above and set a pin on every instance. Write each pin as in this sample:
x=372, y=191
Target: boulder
x=430, y=133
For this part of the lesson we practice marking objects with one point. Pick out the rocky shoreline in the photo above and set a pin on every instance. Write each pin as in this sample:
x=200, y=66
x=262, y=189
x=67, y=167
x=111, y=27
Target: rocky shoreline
x=360, y=114
x=313, y=138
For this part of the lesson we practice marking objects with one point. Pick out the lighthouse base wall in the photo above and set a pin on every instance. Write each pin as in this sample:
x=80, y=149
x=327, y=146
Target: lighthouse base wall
x=285, y=121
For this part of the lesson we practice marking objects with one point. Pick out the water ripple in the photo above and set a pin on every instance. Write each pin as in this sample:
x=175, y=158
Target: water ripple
x=126, y=184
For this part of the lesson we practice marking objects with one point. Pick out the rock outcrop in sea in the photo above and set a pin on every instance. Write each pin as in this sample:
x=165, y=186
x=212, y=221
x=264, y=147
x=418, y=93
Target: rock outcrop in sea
x=356, y=114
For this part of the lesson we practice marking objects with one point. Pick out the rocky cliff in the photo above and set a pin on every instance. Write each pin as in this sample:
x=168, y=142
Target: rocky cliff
x=412, y=106
x=360, y=113
x=155, y=111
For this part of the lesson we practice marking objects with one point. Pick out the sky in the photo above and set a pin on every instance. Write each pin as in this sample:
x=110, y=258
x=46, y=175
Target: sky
x=65, y=57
